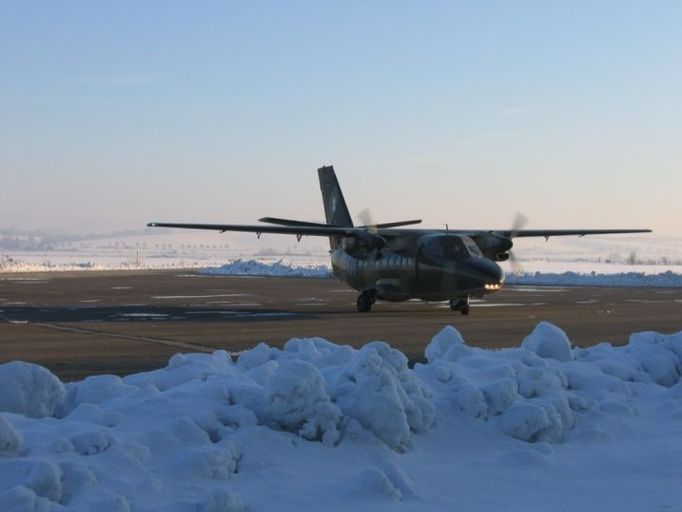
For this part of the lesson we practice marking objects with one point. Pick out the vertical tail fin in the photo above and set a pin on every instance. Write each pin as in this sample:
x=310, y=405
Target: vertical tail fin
x=335, y=208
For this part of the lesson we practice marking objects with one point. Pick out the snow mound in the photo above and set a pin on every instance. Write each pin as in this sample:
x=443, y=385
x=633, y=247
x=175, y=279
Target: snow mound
x=372, y=386
x=297, y=400
x=377, y=389
x=29, y=389
x=447, y=345
x=276, y=269
x=548, y=340
x=537, y=392
x=668, y=279
x=262, y=433
x=10, y=439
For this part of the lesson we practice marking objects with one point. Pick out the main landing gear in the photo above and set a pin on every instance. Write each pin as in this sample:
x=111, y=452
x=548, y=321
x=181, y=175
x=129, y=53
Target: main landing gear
x=461, y=305
x=365, y=301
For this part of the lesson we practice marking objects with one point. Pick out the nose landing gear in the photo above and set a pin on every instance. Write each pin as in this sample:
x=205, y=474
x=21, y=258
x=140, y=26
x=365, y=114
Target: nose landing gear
x=461, y=304
x=365, y=301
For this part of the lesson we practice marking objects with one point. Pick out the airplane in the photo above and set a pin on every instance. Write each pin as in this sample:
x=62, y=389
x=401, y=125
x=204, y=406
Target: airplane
x=392, y=263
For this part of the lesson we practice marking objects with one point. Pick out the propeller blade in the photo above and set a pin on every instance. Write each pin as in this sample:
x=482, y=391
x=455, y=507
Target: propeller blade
x=520, y=221
x=515, y=263
x=366, y=219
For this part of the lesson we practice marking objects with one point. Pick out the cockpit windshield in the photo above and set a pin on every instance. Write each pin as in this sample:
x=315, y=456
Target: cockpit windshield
x=452, y=246
x=471, y=246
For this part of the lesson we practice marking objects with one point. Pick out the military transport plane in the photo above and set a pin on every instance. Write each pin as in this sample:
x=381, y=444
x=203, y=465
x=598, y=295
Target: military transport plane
x=386, y=263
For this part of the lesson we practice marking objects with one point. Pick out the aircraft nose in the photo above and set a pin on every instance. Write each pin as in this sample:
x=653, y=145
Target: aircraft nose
x=491, y=272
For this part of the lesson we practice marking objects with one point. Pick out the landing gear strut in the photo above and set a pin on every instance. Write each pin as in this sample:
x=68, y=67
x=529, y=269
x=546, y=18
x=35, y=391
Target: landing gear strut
x=365, y=301
x=461, y=305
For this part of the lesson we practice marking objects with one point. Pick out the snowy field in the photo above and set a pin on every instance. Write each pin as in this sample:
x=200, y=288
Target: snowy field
x=587, y=261
x=318, y=426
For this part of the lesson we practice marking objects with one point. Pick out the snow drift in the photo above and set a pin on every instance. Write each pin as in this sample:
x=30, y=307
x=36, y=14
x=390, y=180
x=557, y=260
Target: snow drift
x=277, y=269
x=316, y=425
x=666, y=279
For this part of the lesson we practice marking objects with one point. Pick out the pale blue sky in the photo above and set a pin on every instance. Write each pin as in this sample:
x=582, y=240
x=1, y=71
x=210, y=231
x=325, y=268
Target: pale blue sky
x=113, y=114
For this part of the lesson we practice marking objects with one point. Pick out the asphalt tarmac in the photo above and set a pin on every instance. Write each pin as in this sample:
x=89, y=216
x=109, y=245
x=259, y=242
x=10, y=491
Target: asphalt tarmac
x=84, y=323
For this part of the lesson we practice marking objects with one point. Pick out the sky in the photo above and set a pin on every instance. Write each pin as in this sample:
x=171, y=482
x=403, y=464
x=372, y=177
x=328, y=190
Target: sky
x=114, y=114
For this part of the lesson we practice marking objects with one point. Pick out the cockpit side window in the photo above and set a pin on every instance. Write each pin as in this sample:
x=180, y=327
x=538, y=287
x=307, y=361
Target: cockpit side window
x=453, y=247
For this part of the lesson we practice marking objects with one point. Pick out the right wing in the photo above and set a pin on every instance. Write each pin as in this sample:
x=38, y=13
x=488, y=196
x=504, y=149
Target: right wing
x=313, y=230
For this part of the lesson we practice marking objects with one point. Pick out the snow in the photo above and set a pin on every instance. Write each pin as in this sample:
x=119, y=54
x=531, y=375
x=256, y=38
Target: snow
x=275, y=269
x=35, y=391
x=321, y=426
x=547, y=340
x=666, y=279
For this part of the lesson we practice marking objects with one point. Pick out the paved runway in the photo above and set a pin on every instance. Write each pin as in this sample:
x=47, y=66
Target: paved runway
x=82, y=323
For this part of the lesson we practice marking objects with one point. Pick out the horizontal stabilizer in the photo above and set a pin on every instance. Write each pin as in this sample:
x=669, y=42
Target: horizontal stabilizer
x=303, y=223
x=392, y=224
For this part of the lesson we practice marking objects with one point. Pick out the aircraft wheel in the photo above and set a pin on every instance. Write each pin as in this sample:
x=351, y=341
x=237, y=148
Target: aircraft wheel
x=461, y=305
x=364, y=302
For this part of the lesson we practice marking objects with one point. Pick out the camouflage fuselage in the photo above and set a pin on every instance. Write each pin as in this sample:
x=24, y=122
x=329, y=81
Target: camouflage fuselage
x=412, y=271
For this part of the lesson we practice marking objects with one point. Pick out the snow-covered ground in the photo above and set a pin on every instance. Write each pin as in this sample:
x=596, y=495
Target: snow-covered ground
x=274, y=269
x=318, y=426
x=597, y=261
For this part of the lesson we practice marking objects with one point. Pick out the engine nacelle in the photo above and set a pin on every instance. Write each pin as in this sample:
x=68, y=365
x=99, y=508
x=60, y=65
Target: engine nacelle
x=493, y=245
x=364, y=240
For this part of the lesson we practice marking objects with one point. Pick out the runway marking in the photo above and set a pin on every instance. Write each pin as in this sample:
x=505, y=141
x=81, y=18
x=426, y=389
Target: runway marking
x=200, y=296
x=504, y=304
x=269, y=314
x=209, y=312
x=590, y=301
x=143, y=315
x=535, y=289
x=185, y=345
x=644, y=301
x=121, y=288
x=25, y=279
x=220, y=302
